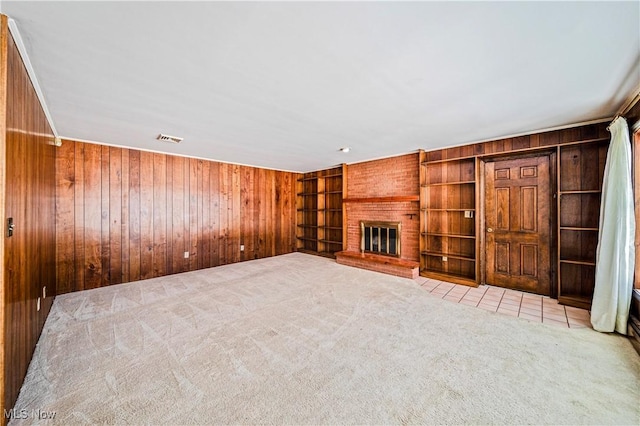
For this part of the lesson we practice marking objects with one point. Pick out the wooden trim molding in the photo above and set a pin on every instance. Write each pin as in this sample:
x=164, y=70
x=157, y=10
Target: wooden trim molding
x=398, y=199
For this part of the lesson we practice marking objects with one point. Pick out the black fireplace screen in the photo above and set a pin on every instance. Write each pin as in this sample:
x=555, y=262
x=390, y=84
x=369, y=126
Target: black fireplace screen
x=380, y=237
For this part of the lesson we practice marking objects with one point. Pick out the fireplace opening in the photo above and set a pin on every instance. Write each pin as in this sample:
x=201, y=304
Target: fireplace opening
x=380, y=238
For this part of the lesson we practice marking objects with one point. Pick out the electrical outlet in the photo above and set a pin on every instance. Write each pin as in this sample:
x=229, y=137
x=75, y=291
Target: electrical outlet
x=186, y=254
x=241, y=247
x=445, y=258
x=44, y=292
x=38, y=304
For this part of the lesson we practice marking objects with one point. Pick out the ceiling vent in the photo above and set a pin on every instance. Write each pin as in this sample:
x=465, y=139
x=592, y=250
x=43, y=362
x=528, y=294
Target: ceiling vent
x=167, y=138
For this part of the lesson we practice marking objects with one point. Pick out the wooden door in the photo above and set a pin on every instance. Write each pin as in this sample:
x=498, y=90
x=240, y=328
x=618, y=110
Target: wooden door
x=518, y=223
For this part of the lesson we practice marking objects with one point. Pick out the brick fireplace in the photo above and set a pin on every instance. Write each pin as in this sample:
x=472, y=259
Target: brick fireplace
x=383, y=191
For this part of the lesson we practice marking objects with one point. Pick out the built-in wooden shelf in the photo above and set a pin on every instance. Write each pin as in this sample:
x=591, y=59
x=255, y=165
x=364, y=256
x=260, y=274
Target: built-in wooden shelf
x=435, y=234
x=397, y=199
x=448, y=160
x=331, y=242
x=319, y=206
x=449, y=184
x=447, y=190
x=449, y=255
x=578, y=262
x=582, y=302
x=585, y=141
x=465, y=182
x=515, y=151
x=580, y=175
x=451, y=277
x=589, y=191
x=334, y=175
x=427, y=209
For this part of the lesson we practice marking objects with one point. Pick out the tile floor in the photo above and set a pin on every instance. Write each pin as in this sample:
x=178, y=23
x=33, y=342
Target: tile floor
x=509, y=302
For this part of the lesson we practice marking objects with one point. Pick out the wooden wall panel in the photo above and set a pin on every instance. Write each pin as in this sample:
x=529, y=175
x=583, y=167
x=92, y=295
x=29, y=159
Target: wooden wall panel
x=30, y=254
x=65, y=215
x=4, y=46
x=132, y=214
x=92, y=217
x=146, y=216
x=124, y=217
x=522, y=143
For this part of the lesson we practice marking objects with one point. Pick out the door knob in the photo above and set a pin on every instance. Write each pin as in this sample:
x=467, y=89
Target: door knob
x=489, y=229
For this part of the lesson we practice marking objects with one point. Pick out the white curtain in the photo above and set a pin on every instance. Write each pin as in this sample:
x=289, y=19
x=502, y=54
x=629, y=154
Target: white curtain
x=616, y=252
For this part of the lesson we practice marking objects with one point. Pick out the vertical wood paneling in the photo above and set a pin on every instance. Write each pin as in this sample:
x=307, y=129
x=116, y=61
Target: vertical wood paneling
x=278, y=201
x=159, y=215
x=4, y=111
x=92, y=217
x=65, y=216
x=206, y=217
x=269, y=199
x=224, y=211
x=28, y=163
x=214, y=213
x=146, y=215
x=104, y=212
x=124, y=217
x=192, y=216
x=115, y=215
x=235, y=214
x=134, y=249
x=78, y=159
x=185, y=213
x=259, y=218
x=127, y=215
x=246, y=226
x=177, y=215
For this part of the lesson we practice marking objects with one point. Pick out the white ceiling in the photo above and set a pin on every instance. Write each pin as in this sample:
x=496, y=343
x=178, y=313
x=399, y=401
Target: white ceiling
x=285, y=85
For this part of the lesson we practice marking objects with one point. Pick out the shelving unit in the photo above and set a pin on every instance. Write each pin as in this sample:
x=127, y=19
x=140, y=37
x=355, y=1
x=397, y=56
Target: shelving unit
x=581, y=170
x=319, y=206
x=448, y=219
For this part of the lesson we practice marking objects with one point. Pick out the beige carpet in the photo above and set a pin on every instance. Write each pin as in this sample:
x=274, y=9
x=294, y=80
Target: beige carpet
x=299, y=339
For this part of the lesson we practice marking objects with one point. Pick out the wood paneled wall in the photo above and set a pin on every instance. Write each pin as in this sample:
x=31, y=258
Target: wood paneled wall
x=125, y=215
x=29, y=256
x=522, y=143
x=4, y=46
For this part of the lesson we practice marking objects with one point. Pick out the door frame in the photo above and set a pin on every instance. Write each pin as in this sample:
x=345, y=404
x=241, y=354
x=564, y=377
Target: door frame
x=552, y=153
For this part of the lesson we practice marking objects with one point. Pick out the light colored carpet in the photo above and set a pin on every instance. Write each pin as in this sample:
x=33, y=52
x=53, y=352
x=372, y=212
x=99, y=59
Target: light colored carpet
x=300, y=339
